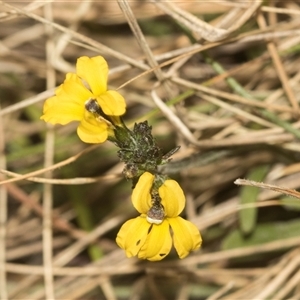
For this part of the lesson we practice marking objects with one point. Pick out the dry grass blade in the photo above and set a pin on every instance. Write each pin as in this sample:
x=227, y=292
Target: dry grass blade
x=204, y=29
x=3, y=220
x=50, y=168
x=48, y=161
x=280, y=69
x=72, y=181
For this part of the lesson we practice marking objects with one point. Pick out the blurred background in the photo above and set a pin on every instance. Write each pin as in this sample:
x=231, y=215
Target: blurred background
x=225, y=75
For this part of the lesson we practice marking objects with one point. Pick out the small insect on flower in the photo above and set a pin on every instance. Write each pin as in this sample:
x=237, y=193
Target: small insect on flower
x=92, y=106
x=155, y=214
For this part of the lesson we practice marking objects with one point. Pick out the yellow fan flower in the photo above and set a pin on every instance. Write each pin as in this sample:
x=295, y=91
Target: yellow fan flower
x=148, y=236
x=96, y=108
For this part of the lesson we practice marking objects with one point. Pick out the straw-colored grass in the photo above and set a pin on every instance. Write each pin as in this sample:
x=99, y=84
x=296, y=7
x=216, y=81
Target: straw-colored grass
x=219, y=78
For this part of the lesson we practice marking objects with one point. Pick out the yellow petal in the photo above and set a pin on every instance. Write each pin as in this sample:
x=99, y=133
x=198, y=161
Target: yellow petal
x=68, y=104
x=91, y=130
x=186, y=236
x=112, y=103
x=172, y=197
x=158, y=243
x=132, y=235
x=141, y=198
x=74, y=90
x=57, y=111
x=94, y=71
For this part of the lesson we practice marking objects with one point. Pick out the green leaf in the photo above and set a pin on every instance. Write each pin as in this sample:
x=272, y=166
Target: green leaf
x=290, y=203
x=249, y=195
x=264, y=233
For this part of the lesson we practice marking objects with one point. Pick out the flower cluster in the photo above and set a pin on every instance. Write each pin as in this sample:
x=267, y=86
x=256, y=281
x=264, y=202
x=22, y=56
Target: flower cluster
x=96, y=108
x=84, y=97
x=148, y=236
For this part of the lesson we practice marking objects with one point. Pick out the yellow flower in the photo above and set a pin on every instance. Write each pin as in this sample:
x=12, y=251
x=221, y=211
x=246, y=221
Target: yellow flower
x=72, y=100
x=150, y=238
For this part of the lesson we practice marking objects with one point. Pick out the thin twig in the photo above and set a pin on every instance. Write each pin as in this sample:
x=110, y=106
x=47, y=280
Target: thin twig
x=267, y=186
